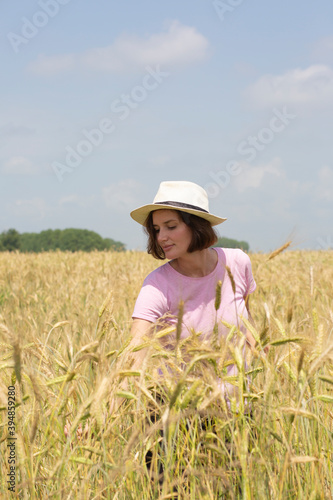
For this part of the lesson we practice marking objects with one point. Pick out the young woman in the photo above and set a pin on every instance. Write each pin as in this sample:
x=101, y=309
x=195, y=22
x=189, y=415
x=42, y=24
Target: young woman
x=180, y=228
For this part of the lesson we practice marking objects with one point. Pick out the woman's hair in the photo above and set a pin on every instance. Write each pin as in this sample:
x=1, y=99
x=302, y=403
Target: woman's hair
x=203, y=235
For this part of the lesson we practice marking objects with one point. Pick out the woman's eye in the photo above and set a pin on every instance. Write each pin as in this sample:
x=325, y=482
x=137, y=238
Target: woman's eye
x=157, y=230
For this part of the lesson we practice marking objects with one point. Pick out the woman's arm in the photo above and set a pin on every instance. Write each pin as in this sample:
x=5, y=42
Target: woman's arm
x=140, y=329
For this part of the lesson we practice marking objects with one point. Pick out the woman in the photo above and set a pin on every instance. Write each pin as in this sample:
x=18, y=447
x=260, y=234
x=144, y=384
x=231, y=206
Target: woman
x=180, y=228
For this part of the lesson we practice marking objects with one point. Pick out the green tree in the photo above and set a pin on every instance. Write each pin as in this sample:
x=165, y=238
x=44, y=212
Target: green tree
x=10, y=240
x=231, y=243
x=68, y=239
x=29, y=242
x=114, y=245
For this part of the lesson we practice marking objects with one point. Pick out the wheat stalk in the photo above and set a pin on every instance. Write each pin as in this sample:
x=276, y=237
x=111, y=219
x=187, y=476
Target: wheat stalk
x=279, y=250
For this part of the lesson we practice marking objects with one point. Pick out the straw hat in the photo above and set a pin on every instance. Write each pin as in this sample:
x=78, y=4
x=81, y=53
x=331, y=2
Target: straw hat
x=179, y=195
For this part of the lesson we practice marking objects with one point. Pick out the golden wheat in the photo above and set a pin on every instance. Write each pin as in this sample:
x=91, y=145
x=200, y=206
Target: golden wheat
x=64, y=334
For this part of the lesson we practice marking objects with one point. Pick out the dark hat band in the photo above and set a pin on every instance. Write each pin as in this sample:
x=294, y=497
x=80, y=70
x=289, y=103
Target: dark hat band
x=179, y=204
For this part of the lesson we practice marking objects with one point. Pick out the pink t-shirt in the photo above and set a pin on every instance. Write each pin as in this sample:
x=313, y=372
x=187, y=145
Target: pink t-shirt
x=164, y=287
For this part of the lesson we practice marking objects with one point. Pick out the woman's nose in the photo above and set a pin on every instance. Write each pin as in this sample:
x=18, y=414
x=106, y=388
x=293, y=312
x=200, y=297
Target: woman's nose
x=161, y=235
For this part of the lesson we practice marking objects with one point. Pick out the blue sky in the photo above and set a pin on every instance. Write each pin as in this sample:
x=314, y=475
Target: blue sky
x=103, y=101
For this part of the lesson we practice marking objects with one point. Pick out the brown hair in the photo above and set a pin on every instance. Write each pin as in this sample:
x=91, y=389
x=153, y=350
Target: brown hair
x=203, y=235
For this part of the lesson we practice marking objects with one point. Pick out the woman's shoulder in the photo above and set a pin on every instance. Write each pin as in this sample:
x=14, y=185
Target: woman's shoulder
x=234, y=256
x=240, y=266
x=157, y=274
x=232, y=252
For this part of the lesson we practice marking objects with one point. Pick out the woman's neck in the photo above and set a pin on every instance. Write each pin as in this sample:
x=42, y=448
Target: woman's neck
x=196, y=264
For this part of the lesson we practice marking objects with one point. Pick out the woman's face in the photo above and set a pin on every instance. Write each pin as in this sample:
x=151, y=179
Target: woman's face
x=172, y=234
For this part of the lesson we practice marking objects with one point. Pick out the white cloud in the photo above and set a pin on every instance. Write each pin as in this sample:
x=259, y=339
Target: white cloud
x=52, y=65
x=74, y=199
x=252, y=176
x=35, y=207
x=177, y=45
x=122, y=196
x=19, y=165
x=313, y=85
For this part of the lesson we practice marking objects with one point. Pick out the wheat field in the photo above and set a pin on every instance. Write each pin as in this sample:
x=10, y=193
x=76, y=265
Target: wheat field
x=64, y=331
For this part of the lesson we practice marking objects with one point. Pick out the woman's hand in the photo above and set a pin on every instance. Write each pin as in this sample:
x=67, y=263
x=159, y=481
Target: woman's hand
x=80, y=433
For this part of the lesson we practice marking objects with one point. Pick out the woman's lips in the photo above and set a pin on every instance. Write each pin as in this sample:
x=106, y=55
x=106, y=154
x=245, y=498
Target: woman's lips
x=167, y=248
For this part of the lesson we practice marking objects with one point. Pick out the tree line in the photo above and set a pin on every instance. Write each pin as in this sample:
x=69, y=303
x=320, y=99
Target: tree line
x=77, y=239
x=57, y=239
x=231, y=243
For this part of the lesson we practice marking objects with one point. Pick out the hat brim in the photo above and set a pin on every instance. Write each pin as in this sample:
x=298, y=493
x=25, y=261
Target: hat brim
x=140, y=214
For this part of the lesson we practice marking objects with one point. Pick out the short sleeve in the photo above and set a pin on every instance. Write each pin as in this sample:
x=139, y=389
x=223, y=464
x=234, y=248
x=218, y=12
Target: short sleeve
x=151, y=303
x=249, y=280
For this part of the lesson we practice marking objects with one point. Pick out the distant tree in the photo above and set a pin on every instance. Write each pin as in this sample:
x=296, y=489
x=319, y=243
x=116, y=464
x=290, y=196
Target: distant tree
x=29, y=242
x=68, y=239
x=80, y=239
x=230, y=243
x=114, y=245
x=10, y=240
